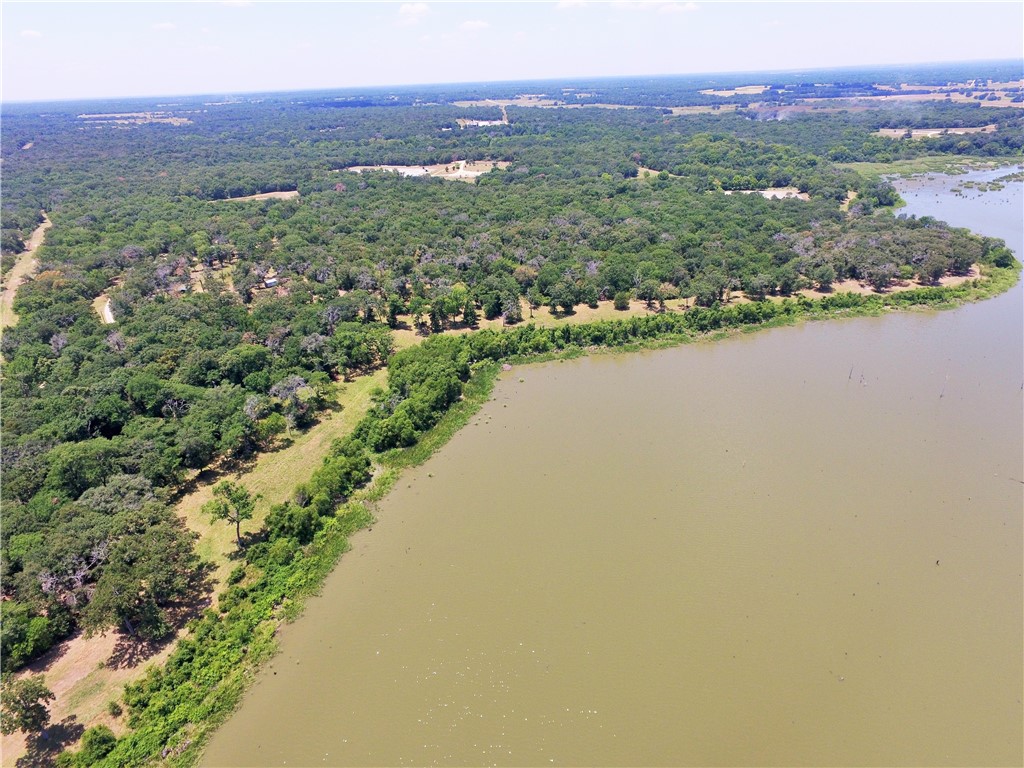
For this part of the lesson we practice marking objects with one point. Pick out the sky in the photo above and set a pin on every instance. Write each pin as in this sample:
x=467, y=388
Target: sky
x=72, y=50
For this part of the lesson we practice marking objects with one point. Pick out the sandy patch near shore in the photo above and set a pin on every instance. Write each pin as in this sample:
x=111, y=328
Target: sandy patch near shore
x=75, y=669
x=862, y=288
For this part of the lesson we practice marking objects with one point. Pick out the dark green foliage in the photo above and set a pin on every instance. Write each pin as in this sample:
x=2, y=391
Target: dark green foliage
x=25, y=634
x=292, y=521
x=151, y=564
x=23, y=705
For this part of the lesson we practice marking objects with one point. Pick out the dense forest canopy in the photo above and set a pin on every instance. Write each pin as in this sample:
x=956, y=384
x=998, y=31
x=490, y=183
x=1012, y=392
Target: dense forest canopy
x=235, y=318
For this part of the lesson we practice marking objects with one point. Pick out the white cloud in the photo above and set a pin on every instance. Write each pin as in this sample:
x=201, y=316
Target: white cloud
x=677, y=7
x=31, y=33
x=473, y=25
x=655, y=5
x=165, y=26
x=410, y=14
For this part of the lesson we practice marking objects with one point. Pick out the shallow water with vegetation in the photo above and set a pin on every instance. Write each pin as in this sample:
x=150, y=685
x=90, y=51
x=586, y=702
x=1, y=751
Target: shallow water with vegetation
x=801, y=546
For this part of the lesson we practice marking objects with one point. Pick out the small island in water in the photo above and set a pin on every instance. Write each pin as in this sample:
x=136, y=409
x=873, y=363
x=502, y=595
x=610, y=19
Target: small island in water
x=234, y=330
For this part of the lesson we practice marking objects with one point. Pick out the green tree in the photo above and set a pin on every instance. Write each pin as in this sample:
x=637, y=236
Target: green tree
x=148, y=567
x=231, y=502
x=759, y=286
x=97, y=742
x=24, y=634
x=648, y=292
x=824, y=275
x=24, y=705
x=932, y=268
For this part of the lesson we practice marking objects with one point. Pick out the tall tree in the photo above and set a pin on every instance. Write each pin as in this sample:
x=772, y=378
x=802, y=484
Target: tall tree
x=231, y=502
x=149, y=567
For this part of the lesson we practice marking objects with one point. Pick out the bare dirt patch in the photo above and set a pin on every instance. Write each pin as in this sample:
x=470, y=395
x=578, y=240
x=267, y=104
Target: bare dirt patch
x=920, y=133
x=743, y=90
x=84, y=675
x=102, y=306
x=464, y=123
x=286, y=195
x=134, y=118
x=28, y=145
x=462, y=170
x=775, y=193
x=23, y=268
x=862, y=288
x=703, y=110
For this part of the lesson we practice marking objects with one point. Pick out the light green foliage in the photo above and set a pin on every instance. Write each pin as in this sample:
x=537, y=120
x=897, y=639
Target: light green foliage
x=231, y=502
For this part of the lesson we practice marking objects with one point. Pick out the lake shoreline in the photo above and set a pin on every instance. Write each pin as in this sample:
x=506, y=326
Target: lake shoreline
x=487, y=376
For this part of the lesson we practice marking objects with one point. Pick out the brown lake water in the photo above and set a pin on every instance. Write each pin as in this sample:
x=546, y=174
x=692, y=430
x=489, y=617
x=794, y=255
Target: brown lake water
x=796, y=547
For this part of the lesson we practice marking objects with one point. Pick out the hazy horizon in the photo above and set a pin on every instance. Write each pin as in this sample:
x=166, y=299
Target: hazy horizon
x=551, y=79
x=64, y=51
